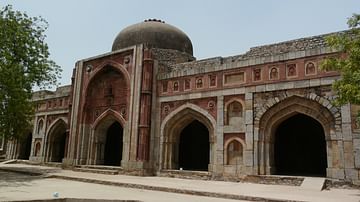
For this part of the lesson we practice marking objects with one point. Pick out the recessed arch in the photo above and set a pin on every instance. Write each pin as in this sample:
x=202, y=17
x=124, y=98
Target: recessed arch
x=37, y=149
x=55, y=122
x=226, y=150
x=107, y=139
x=282, y=111
x=40, y=126
x=56, y=138
x=172, y=127
x=193, y=147
x=108, y=114
x=300, y=147
x=103, y=66
x=234, y=117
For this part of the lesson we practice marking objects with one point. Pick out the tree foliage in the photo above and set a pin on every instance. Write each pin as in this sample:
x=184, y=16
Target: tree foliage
x=348, y=87
x=24, y=64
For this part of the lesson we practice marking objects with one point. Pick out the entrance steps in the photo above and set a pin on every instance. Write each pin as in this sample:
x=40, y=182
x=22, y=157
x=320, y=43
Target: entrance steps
x=274, y=179
x=313, y=183
x=108, y=170
x=9, y=161
x=2, y=158
x=53, y=164
x=185, y=174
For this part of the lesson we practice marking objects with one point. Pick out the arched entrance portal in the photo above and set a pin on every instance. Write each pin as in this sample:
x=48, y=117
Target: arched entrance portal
x=292, y=129
x=194, y=147
x=57, y=142
x=300, y=147
x=113, y=145
x=187, y=137
x=107, y=148
x=25, y=146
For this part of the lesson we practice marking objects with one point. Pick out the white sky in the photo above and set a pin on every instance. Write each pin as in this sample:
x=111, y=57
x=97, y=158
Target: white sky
x=85, y=28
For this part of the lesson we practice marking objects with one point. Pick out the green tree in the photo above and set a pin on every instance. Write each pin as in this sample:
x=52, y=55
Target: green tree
x=24, y=64
x=348, y=87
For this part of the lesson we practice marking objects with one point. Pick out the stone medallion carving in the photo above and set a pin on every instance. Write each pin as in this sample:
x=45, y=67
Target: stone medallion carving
x=211, y=105
x=166, y=109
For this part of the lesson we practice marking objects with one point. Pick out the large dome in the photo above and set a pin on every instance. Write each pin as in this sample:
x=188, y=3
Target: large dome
x=156, y=33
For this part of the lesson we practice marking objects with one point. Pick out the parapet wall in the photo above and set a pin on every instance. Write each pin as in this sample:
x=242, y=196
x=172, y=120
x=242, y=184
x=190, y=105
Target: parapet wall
x=288, y=50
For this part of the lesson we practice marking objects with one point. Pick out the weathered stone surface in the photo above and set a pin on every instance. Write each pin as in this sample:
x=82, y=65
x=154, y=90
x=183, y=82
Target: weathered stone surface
x=352, y=174
x=248, y=117
x=349, y=160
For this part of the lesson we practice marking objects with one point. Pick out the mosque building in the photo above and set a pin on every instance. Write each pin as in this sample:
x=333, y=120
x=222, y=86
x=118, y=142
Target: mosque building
x=148, y=107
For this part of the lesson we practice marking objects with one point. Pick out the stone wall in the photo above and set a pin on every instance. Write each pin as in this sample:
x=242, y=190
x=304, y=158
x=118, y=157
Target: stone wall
x=283, y=51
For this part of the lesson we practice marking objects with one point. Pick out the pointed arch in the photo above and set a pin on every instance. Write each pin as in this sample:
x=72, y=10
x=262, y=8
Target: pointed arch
x=227, y=110
x=173, y=125
x=40, y=126
x=281, y=111
x=100, y=134
x=226, y=145
x=103, y=66
x=108, y=114
x=56, y=139
x=56, y=122
x=181, y=113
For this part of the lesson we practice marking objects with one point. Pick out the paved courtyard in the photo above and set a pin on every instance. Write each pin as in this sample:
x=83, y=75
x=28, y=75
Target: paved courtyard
x=17, y=186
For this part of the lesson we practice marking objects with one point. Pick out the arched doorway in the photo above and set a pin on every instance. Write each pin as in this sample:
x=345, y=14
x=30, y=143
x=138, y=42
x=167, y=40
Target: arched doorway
x=187, y=135
x=113, y=145
x=57, y=142
x=107, y=144
x=300, y=147
x=25, y=146
x=292, y=115
x=194, y=147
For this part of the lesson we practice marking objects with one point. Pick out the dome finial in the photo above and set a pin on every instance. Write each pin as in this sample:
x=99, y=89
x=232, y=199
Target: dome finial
x=154, y=20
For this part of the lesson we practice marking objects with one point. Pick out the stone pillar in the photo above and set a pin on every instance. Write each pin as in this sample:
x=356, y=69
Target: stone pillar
x=348, y=149
x=71, y=158
x=249, y=154
x=145, y=108
x=32, y=156
x=219, y=135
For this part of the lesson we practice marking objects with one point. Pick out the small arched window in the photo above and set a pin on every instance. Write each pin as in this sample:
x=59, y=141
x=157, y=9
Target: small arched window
x=187, y=84
x=40, y=126
x=199, y=83
x=310, y=68
x=274, y=73
x=234, y=153
x=176, y=86
x=234, y=112
x=37, y=148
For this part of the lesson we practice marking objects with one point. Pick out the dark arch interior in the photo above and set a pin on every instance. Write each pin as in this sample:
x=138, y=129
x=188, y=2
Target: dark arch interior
x=25, y=147
x=113, y=145
x=58, y=145
x=300, y=147
x=194, y=147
